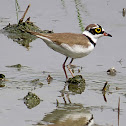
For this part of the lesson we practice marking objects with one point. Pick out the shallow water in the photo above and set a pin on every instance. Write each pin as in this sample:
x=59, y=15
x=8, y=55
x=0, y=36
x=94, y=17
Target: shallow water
x=39, y=61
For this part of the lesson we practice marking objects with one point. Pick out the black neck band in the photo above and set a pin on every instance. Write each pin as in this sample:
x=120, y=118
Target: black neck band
x=91, y=40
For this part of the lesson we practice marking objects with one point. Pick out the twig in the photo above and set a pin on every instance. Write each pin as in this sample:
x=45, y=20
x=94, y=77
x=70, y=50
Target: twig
x=21, y=20
x=64, y=98
x=104, y=88
x=68, y=98
x=57, y=103
x=118, y=110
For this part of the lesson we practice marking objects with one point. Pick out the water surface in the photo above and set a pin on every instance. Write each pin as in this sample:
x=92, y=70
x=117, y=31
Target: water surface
x=39, y=61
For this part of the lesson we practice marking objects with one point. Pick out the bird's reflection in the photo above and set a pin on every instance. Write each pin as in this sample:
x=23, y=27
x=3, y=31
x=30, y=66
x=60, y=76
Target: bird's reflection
x=70, y=114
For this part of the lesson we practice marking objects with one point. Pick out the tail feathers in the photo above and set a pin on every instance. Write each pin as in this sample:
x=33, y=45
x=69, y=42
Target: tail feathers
x=35, y=33
x=39, y=35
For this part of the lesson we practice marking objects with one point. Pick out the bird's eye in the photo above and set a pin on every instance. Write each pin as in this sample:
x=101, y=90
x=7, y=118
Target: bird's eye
x=98, y=30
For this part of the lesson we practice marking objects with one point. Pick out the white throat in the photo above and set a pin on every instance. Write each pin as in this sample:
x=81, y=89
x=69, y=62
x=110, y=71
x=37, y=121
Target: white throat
x=93, y=37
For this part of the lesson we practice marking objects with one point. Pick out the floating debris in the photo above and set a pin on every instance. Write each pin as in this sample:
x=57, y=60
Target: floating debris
x=118, y=110
x=111, y=71
x=2, y=76
x=2, y=80
x=36, y=82
x=49, y=79
x=117, y=88
x=31, y=100
x=57, y=103
x=105, y=89
x=78, y=70
x=76, y=79
x=76, y=84
x=123, y=12
x=18, y=32
x=71, y=66
x=16, y=66
x=1, y=84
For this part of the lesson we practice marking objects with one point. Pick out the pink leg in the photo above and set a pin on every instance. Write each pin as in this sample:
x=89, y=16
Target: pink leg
x=64, y=68
x=71, y=61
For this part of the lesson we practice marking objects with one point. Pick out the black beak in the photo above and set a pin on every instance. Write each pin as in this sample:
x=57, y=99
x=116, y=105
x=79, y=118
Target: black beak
x=106, y=34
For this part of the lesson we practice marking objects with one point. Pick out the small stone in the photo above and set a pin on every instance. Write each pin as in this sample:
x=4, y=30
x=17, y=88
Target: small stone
x=111, y=71
x=2, y=76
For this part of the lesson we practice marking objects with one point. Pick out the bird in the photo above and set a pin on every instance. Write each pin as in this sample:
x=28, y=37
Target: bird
x=73, y=45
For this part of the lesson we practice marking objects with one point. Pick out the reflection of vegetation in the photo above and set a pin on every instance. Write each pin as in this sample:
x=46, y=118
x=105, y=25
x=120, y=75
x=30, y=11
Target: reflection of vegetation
x=49, y=79
x=76, y=84
x=77, y=5
x=106, y=87
x=2, y=83
x=118, y=110
x=63, y=3
x=17, y=8
x=79, y=15
x=2, y=79
x=124, y=12
x=77, y=88
x=36, y=83
x=18, y=66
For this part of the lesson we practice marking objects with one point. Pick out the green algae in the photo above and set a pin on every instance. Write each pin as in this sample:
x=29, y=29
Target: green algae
x=76, y=84
x=76, y=79
x=15, y=66
x=31, y=100
x=18, y=32
x=36, y=82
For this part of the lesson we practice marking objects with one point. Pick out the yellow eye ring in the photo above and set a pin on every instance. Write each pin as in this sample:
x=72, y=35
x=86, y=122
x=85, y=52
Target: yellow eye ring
x=97, y=30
